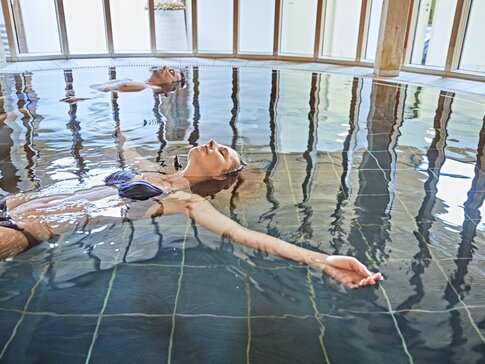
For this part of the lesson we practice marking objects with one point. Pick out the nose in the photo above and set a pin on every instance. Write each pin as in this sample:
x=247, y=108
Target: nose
x=212, y=143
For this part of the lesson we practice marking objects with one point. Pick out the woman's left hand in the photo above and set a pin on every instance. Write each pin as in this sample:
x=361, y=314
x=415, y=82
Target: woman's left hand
x=350, y=271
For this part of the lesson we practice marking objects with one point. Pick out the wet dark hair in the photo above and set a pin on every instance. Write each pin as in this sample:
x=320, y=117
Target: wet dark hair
x=213, y=186
x=238, y=169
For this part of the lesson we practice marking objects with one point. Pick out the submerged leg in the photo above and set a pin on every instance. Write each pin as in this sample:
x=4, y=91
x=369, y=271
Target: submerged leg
x=12, y=242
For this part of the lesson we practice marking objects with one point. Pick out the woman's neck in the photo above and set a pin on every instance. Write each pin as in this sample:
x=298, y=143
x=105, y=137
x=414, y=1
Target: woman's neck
x=181, y=181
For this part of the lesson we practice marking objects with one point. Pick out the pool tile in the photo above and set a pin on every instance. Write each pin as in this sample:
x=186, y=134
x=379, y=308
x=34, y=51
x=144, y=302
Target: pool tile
x=209, y=340
x=143, y=289
x=204, y=248
x=286, y=340
x=277, y=292
x=45, y=339
x=8, y=320
x=417, y=284
x=16, y=281
x=152, y=241
x=441, y=337
x=227, y=297
x=346, y=344
x=82, y=294
x=132, y=340
x=465, y=279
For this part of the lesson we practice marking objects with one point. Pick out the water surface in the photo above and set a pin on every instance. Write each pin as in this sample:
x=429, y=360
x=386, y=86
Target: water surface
x=390, y=173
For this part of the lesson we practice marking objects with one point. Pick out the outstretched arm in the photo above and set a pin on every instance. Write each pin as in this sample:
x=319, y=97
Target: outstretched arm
x=345, y=269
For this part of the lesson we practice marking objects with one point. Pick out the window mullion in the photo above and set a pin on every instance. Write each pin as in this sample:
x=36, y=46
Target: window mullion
x=61, y=19
x=457, y=35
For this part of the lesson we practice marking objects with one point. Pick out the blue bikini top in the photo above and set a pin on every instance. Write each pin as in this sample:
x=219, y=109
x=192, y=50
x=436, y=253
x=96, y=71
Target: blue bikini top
x=136, y=190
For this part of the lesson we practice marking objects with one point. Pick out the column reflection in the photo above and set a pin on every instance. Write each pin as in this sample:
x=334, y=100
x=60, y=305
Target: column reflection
x=9, y=178
x=424, y=220
x=457, y=286
x=268, y=178
x=235, y=106
x=115, y=112
x=311, y=157
x=194, y=135
x=370, y=228
x=343, y=193
x=75, y=127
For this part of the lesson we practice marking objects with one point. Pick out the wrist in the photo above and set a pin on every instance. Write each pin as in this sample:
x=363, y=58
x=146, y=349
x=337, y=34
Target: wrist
x=316, y=259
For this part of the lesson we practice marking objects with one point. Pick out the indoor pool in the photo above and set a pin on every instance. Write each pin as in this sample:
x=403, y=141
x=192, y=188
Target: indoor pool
x=392, y=174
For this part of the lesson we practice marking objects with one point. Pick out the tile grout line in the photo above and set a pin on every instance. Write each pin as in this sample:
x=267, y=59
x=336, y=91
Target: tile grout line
x=177, y=295
x=391, y=312
x=27, y=303
x=106, y=298
x=256, y=317
x=310, y=286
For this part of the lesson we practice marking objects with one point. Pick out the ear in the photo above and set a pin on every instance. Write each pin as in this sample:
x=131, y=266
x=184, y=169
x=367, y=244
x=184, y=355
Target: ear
x=220, y=178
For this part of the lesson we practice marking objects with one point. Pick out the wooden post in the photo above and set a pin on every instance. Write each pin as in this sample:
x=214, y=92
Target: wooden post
x=392, y=34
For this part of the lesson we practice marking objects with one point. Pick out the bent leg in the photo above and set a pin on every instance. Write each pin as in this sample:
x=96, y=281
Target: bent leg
x=12, y=242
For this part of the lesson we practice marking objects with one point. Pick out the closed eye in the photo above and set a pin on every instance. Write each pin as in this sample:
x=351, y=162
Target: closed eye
x=222, y=151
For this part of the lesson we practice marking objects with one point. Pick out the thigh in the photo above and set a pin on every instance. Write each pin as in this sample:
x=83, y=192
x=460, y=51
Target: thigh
x=12, y=242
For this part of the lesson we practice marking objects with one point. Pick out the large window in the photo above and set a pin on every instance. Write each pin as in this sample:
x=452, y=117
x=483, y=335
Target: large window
x=173, y=26
x=128, y=38
x=373, y=30
x=298, y=21
x=85, y=26
x=341, y=28
x=473, y=56
x=434, y=20
x=256, y=26
x=214, y=22
x=36, y=26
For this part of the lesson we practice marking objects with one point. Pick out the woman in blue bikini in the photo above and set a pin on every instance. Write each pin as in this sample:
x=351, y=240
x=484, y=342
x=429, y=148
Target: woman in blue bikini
x=28, y=219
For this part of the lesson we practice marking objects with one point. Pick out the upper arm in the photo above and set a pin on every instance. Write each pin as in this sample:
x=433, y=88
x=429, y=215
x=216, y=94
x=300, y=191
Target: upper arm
x=198, y=209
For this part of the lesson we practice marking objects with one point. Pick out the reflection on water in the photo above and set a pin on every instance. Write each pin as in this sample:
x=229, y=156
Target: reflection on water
x=392, y=174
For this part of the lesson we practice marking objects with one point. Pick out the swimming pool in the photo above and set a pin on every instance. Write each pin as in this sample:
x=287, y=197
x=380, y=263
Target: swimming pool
x=390, y=173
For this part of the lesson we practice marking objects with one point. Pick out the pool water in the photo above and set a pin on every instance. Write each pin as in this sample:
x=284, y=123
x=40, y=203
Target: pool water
x=392, y=174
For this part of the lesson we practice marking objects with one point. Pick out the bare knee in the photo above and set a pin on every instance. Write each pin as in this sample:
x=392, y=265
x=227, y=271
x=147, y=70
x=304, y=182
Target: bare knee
x=12, y=242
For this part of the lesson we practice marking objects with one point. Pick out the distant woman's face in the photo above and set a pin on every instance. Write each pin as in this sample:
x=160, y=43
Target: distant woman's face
x=212, y=160
x=164, y=75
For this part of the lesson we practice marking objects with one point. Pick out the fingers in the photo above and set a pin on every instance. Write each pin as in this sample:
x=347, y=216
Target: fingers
x=370, y=281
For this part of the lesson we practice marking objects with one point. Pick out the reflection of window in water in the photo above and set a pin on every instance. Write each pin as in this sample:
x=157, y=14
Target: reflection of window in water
x=175, y=110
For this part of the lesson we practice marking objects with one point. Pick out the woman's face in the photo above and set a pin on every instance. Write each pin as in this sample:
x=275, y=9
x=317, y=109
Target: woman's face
x=212, y=160
x=164, y=75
